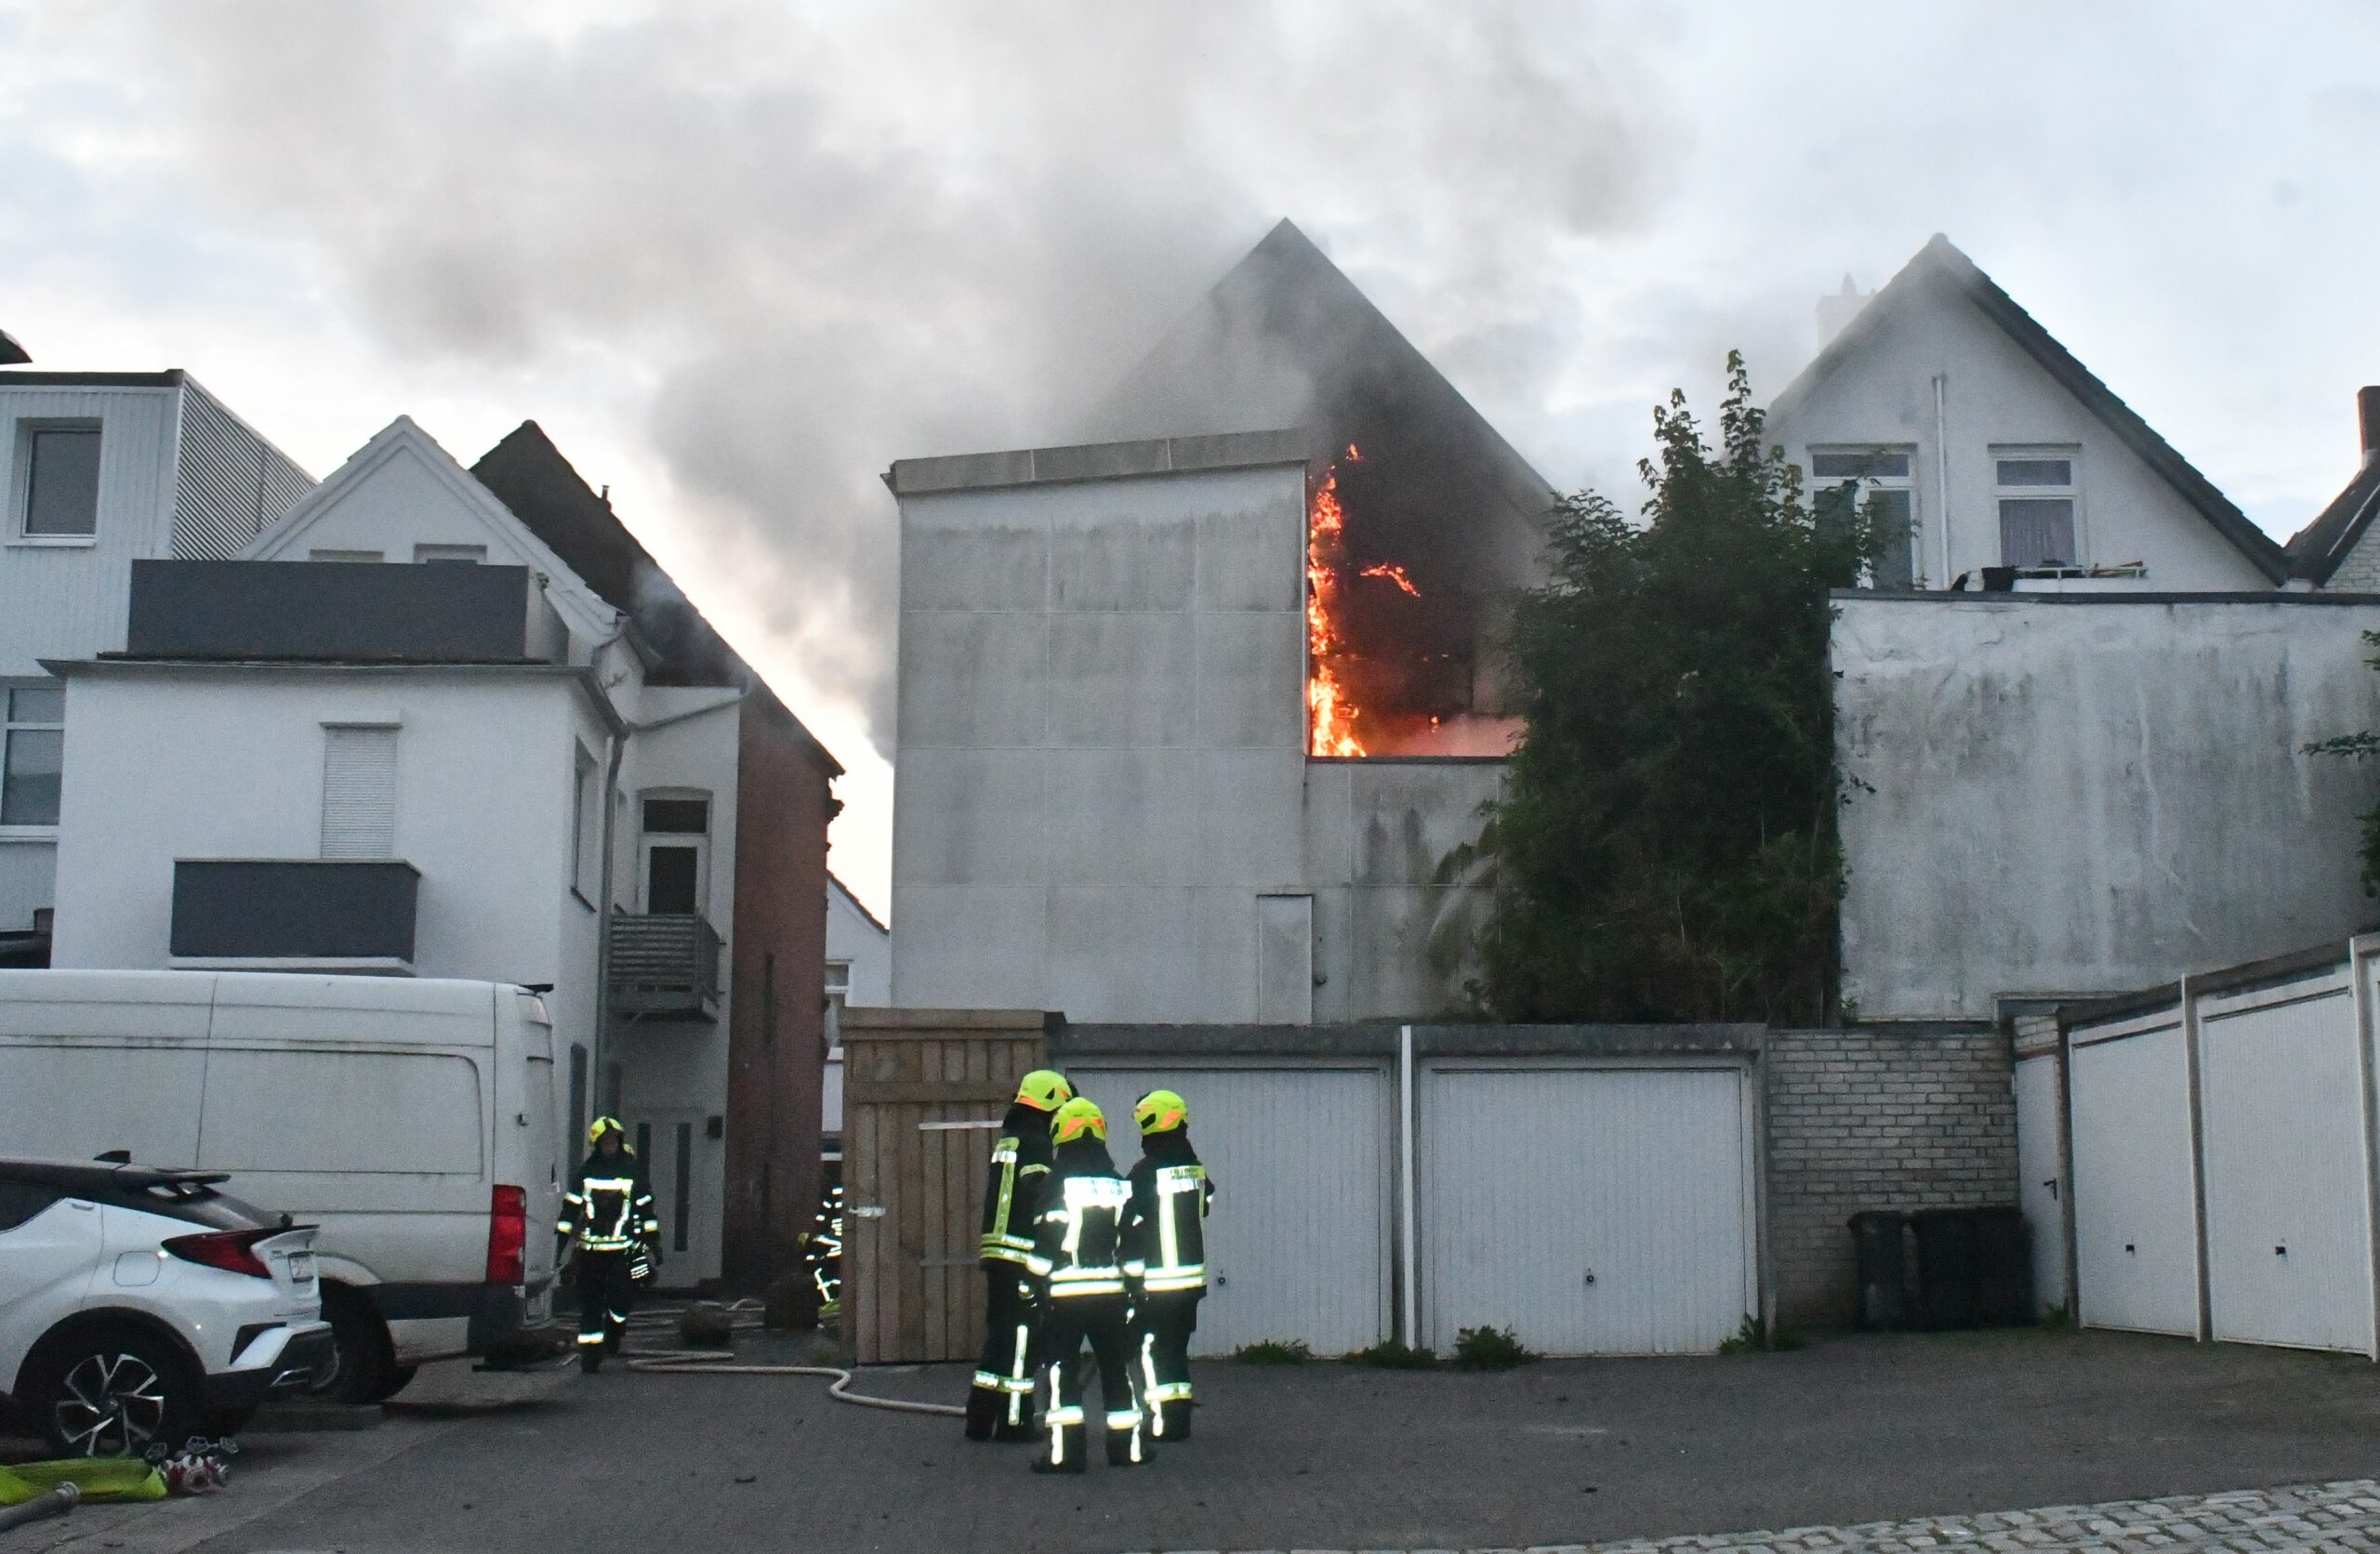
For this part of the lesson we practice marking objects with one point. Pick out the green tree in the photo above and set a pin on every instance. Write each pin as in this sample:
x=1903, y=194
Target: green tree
x=1666, y=846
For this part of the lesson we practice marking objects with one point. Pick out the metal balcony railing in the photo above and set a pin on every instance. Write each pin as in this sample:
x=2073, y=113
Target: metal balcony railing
x=665, y=966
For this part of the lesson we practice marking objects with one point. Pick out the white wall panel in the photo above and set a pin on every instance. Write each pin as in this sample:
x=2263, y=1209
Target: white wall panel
x=2042, y=1183
x=2136, y=1231
x=1534, y=1178
x=1298, y=1245
x=2288, y=1255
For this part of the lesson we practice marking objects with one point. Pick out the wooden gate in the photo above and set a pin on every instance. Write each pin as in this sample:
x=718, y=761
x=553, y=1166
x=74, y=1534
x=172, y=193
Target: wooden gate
x=925, y=1090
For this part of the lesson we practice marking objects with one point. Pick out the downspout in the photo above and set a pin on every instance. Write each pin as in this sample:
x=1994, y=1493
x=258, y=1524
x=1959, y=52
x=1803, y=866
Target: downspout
x=1942, y=469
x=1408, y=1318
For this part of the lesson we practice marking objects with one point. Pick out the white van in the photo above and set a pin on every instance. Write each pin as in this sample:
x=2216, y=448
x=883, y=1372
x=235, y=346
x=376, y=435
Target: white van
x=414, y=1120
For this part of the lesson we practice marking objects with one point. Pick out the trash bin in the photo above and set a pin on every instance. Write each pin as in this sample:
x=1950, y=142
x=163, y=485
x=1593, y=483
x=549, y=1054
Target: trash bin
x=1878, y=1240
x=1945, y=1267
x=2004, y=1268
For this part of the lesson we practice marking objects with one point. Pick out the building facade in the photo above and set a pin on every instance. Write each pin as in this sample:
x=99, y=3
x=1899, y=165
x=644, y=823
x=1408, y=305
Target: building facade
x=859, y=975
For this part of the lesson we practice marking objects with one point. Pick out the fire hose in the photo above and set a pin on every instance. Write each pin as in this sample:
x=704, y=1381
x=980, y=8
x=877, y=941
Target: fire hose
x=55, y=1502
x=744, y=1318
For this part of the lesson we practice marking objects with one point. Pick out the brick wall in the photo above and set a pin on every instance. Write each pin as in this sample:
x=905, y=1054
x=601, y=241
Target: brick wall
x=1867, y=1119
x=2359, y=573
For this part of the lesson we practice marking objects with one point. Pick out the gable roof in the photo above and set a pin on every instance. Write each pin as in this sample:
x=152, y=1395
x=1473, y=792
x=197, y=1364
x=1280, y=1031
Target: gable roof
x=1940, y=268
x=835, y=884
x=2316, y=551
x=531, y=479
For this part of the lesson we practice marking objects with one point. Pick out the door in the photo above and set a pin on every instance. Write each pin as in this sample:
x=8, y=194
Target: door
x=2136, y=1227
x=2041, y=1174
x=682, y=1165
x=1297, y=1243
x=673, y=869
x=2288, y=1247
x=1593, y=1210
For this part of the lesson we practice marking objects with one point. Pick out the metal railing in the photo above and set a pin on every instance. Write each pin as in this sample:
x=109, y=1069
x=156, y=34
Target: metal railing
x=665, y=966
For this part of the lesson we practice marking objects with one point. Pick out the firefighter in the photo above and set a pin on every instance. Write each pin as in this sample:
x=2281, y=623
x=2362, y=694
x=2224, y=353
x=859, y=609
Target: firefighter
x=1078, y=1255
x=997, y=1402
x=608, y=1216
x=1166, y=1252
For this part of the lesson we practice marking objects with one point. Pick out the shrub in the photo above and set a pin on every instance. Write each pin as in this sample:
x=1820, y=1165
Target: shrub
x=1757, y=1336
x=1274, y=1352
x=1395, y=1356
x=1489, y=1349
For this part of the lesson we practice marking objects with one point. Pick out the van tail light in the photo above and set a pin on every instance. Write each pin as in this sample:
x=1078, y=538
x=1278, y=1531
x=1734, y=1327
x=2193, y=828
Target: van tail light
x=232, y=1251
x=507, y=1235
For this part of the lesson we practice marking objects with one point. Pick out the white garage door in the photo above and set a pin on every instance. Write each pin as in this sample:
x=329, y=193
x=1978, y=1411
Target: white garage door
x=2135, y=1233
x=1297, y=1246
x=2040, y=1175
x=1594, y=1211
x=2288, y=1253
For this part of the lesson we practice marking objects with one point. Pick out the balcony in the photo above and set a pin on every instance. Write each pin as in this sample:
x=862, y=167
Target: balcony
x=301, y=913
x=663, y=966
x=340, y=612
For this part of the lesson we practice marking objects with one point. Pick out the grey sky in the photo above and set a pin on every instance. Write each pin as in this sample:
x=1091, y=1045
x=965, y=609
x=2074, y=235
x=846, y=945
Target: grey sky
x=736, y=258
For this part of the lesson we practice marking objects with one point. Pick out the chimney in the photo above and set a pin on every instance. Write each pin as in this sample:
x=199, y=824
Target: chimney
x=1836, y=312
x=2367, y=419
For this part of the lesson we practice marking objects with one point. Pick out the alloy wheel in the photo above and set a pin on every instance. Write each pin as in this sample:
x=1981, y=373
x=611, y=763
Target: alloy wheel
x=110, y=1404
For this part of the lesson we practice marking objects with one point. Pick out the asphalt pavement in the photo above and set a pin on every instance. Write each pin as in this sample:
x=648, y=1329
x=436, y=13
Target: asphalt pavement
x=1334, y=1457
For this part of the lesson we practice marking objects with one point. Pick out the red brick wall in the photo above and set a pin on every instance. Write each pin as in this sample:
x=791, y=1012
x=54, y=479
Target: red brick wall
x=776, y=1044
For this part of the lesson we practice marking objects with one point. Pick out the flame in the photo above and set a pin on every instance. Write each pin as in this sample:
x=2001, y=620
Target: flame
x=1395, y=575
x=1331, y=718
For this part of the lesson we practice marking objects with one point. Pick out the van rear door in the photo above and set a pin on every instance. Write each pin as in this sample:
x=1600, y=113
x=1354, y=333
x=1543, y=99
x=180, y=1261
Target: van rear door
x=529, y=1134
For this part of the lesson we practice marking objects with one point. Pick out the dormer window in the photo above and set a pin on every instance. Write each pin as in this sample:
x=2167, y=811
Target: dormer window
x=59, y=484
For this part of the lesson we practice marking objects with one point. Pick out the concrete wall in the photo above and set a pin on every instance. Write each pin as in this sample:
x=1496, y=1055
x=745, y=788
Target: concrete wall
x=2064, y=795
x=1864, y=1119
x=1995, y=395
x=1102, y=755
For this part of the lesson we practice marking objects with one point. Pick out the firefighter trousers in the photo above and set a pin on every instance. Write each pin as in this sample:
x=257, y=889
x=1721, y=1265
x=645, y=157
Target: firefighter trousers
x=1163, y=1324
x=1102, y=1320
x=1002, y=1394
x=606, y=1294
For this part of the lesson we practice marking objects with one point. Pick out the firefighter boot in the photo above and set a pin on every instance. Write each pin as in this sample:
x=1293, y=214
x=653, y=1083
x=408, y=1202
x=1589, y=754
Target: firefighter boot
x=983, y=1407
x=1017, y=1420
x=1124, y=1444
x=1173, y=1417
x=1066, y=1451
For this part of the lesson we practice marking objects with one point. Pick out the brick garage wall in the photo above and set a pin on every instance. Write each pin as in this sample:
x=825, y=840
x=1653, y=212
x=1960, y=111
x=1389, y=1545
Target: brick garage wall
x=1868, y=1119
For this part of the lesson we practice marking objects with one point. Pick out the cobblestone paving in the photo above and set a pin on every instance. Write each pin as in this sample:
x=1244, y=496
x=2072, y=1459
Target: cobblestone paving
x=2330, y=1516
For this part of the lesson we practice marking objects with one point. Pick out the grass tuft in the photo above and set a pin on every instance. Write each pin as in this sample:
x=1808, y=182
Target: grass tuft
x=1274, y=1352
x=1489, y=1349
x=1394, y=1356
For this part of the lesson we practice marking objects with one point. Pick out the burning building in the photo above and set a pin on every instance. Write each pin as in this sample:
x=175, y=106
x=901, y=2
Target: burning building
x=1192, y=720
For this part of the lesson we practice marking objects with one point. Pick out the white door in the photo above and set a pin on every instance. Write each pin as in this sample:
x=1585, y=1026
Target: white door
x=2136, y=1232
x=682, y=1165
x=2040, y=1175
x=2288, y=1250
x=1297, y=1246
x=1593, y=1210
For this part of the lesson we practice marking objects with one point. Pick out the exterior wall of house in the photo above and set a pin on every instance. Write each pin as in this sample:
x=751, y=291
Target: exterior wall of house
x=2063, y=795
x=776, y=1046
x=1102, y=770
x=2359, y=573
x=1866, y=1119
x=1994, y=395
x=862, y=944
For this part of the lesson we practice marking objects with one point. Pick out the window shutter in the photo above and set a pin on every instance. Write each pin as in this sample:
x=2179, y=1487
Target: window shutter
x=359, y=793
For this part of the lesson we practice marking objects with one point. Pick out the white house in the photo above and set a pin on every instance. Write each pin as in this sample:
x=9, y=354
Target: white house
x=525, y=758
x=1953, y=407
x=2336, y=550
x=859, y=975
x=102, y=469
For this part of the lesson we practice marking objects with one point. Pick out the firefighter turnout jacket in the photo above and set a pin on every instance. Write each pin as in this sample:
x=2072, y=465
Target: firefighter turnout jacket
x=1165, y=1239
x=609, y=1208
x=1021, y=1162
x=1078, y=1238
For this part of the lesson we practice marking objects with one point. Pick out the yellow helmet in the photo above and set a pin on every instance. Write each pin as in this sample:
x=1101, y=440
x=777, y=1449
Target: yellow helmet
x=1076, y=1118
x=1044, y=1090
x=601, y=1126
x=1160, y=1112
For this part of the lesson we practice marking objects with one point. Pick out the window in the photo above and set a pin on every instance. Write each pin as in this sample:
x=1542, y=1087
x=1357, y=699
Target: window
x=33, y=752
x=467, y=554
x=2037, y=492
x=838, y=992
x=61, y=481
x=583, y=812
x=344, y=556
x=359, y=791
x=676, y=847
x=1875, y=481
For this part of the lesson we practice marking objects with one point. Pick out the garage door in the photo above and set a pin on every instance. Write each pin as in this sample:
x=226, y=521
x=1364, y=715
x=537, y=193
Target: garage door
x=1297, y=1247
x=2041, y=1174
x=2288, y=1253
x=2135, y=1232
x=1595, y=1211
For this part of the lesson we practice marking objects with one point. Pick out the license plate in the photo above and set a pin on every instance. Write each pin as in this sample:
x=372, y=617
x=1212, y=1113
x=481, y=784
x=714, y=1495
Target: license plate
x=301, y=1267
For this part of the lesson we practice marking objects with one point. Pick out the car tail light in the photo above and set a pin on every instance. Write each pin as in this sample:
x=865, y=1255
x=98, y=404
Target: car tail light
x=507, y=1234
x=232, y=1251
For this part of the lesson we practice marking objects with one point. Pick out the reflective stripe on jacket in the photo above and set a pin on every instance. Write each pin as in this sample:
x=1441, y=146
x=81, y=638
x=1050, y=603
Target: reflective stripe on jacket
x=1077, y=1242
x=609, y=1210
x=1165, y=1244
x=1020, y=1172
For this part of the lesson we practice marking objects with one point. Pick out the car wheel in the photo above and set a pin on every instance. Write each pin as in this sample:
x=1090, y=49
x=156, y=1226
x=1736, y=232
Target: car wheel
x=115, y=1393
x=396, y=1379
x=360, y=1360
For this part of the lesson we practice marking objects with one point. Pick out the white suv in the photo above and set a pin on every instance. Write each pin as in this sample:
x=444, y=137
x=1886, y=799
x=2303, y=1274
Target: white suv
x=139, y=1305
